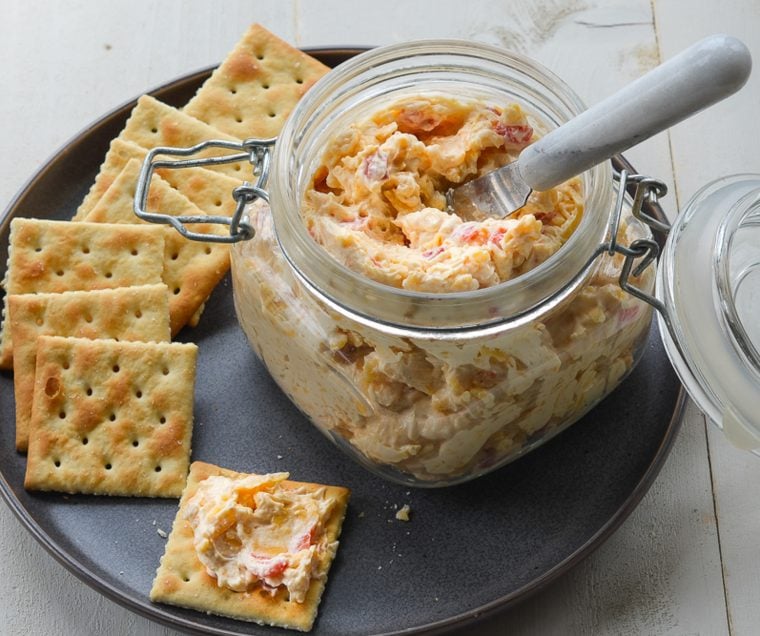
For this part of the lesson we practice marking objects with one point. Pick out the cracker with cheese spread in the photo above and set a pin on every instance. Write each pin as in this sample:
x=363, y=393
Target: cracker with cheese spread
x=251, y=547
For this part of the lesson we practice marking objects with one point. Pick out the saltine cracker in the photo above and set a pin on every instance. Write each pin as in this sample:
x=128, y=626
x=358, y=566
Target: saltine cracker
x=182, y=579
x=124, y=313
x=111, y=417
x=57, y=256
x=256, y=87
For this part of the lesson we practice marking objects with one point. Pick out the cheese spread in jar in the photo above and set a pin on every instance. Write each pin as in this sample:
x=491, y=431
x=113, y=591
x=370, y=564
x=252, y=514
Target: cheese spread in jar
x=377, y=201
x=252, y=531
x=431, y=348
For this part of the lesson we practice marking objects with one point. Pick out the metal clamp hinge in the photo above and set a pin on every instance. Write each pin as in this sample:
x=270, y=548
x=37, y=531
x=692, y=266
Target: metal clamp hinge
x=644, y=250
x=257, y=152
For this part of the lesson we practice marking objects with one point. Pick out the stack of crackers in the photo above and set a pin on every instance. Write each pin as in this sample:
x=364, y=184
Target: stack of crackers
x=104, y=399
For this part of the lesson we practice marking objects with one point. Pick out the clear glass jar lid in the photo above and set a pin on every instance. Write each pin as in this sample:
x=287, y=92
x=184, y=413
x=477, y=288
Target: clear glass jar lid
x=709, y=283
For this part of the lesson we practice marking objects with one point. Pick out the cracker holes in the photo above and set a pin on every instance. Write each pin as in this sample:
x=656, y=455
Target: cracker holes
x=40, y=322
x=185, y=578
x=85, y=441
x=272, y=114
x=116, y=368
x=65, y=365
x=112, y=417
x=88, y=390
x=265, y=87
x=59, y=272
x=175, y=256
x=134, y=251
x=218, y=203
x=238, y=119
x=233, y=90
x=38, y=249
x=57, y=463
x=61, y=415
x=109, y=274
x=237, y=167
x=207, y=250
x=88, y=318
x=299, y=80
x=176, y=291
x=154, y=130
x=138, y=314
x=138, y=394
x=85, y=250
x=157, y=469
x=165, y=370
x=162, y=420
x=108, y=466
x=135, y=443
x=259, y=56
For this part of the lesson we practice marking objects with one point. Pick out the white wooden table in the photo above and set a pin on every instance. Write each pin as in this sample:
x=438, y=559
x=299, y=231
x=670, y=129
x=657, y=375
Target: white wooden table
x=687, y=561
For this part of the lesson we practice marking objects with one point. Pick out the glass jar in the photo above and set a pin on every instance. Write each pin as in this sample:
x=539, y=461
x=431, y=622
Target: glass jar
x=435, y=389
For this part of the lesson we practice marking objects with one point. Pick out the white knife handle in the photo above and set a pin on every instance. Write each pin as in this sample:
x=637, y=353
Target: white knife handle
x=701, y=75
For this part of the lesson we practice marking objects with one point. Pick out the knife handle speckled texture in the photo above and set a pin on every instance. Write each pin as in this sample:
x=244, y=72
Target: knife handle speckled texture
x=700, y=76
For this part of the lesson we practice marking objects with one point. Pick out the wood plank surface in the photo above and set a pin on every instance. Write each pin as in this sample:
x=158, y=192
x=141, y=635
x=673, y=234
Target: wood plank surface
x=722, y=141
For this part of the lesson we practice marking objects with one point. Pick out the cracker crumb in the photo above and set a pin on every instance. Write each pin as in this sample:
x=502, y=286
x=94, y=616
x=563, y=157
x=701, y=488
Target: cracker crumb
x=161, y=533
x=403, y=513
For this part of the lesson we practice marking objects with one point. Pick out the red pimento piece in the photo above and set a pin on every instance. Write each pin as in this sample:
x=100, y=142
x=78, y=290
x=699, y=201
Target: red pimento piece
x=433, y=252
x=627, y=315
x=470, y=234
x=497, y=236
x=307, y=539
x=411, y=121
x=546, y=216
x=274, y=567
x=514, y=134
x=375, y=166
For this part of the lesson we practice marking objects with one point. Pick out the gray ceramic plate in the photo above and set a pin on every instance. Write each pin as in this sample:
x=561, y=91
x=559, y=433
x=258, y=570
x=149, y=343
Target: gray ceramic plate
x=468, y=552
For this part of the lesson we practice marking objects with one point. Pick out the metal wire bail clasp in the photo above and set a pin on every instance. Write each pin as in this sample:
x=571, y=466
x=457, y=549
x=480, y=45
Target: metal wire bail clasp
x=645, y=250
x=256, y=151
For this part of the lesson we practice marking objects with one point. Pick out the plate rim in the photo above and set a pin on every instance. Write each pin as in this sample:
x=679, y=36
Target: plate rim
x=155, y=612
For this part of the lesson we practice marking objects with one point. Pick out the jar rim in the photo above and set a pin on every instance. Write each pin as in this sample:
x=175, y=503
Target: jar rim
x=350, y=84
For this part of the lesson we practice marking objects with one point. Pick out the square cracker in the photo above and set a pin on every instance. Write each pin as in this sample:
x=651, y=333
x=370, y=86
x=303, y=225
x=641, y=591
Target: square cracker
x=182, y=579
x=191, y=268
x=111, y=417
x=124, y=313
x=153, y=123
x=211, y=191
x=256, y=87
x=57, y=256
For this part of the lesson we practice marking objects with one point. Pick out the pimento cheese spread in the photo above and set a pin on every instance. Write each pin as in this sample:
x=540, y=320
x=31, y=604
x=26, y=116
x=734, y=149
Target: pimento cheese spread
x=252, y=531
x=377, y=201
x=437, y=409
